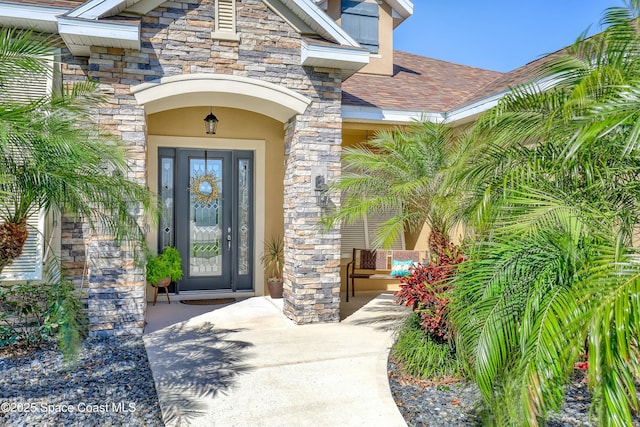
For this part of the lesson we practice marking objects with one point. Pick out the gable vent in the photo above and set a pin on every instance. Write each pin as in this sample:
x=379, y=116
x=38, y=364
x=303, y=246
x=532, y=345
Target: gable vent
x=226, y=16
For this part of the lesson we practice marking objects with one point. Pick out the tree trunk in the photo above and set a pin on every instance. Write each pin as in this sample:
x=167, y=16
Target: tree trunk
x=438, y=242
x=12, y=239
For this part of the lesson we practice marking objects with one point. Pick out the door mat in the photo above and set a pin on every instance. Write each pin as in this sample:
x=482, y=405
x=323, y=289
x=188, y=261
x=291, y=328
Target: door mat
x=212, y=301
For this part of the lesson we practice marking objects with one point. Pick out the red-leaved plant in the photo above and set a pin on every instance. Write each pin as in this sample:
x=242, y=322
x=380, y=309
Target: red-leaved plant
x=426, y=291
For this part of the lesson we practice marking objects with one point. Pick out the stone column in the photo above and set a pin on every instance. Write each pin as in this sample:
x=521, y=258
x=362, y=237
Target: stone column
x=312, y=255
x=115, y=285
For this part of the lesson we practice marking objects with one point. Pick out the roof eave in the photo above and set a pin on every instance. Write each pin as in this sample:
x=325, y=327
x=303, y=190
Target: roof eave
x=404, y=8
x=375, y=115
x=37, y=18
x=349, y=60
x=80, y=34
x=320, y=22
x=96, y=9
x=470, y=111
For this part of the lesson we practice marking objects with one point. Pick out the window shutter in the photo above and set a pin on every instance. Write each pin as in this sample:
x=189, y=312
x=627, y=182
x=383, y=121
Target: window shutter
x=28, y=266
x=360, y=21
x=353, y=236
x=226, y=16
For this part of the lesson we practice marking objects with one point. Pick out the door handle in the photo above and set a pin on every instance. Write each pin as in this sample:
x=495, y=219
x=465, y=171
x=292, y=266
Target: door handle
x=229, y=238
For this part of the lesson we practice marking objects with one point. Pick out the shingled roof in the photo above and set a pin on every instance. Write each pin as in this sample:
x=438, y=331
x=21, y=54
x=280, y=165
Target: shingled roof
x=67, y=4
x=522, y=75
x=417, y=84
x=421, y=84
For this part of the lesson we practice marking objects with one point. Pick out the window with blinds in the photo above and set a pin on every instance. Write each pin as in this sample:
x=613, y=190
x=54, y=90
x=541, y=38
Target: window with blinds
x=26, y=87
x=225, y=16
x=28, y=266
x=362, y=233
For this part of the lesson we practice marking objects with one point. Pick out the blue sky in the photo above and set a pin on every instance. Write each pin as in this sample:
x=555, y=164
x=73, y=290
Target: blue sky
x=498, y=35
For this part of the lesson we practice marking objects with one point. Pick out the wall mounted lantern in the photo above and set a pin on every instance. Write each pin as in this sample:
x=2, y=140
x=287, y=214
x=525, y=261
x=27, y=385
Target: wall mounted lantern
x=210, y=123
x=322, y=191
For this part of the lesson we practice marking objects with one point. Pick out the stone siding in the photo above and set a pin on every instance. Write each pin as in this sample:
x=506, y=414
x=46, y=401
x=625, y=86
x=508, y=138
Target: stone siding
x=176, y=40
x=312, y=256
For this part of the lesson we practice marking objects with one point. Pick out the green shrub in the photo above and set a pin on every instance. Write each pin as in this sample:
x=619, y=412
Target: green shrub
x=34, y=313
x=167, y=264
x=421, y=356
x=427, y=290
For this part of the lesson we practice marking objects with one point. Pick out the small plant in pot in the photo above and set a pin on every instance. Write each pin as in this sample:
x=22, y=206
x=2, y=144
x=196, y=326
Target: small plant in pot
x=273, y=261
x=163, y=269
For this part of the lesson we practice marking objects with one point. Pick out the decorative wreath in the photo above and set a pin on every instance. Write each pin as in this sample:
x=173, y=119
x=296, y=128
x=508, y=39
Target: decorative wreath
x=202, y=196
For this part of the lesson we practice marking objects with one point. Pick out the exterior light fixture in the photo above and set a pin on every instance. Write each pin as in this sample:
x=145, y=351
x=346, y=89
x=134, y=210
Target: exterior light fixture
x=210, y=123
x=322, y=191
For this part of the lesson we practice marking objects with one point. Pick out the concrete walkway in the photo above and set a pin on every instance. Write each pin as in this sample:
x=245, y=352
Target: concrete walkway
x=246, y=364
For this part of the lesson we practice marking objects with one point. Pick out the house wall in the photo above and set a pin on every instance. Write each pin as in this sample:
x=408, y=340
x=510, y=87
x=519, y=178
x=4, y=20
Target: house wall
x=382, y=61
x=176, y=40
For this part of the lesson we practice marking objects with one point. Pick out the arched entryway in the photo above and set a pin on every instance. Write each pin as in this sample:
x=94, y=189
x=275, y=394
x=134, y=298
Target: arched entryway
x=220, y=240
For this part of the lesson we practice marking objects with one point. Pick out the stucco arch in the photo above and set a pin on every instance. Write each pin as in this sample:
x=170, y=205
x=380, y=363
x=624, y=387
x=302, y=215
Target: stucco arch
x=220, y=90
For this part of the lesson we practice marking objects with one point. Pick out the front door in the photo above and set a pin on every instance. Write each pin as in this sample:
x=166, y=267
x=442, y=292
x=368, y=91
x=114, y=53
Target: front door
x=213, y=216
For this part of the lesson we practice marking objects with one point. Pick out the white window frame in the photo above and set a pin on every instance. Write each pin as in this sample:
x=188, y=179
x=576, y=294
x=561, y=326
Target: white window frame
x=29, y=265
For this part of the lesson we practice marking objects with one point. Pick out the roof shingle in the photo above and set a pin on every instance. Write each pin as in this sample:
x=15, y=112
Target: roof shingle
x=417, y=84
x=67, y=4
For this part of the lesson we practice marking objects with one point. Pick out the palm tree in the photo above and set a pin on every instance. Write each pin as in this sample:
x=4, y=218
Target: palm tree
x=53, y=157
x=553, y=185
x=399, y=171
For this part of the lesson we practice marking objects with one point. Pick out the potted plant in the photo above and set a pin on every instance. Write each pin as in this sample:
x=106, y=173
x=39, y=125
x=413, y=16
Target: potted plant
x=163, y=269
x=273, y=260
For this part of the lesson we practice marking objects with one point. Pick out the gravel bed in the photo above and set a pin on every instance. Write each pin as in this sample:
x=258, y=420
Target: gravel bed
x=110, y=385
x=424, y=404
x=457, y=403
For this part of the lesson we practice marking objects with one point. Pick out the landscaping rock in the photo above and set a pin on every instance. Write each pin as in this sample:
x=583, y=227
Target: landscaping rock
x=456, y=403
x=110, y=385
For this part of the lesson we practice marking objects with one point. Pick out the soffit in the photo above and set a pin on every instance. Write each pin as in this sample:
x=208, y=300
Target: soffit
x=403, y=7
x=80, y=34
x=39, y=17
x=318, y=52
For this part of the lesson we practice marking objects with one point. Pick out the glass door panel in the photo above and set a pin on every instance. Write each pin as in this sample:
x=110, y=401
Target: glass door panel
x=209, y=216
x=205, y=217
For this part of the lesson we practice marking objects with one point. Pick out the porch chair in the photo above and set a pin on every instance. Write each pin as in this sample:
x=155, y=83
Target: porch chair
x=363, y=264
x=381, y=265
